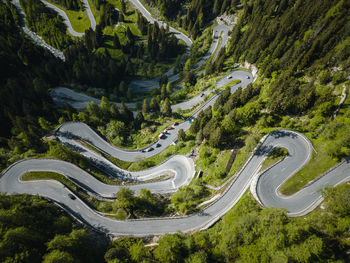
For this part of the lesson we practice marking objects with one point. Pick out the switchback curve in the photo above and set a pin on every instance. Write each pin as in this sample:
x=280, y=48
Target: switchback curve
x=300, y=203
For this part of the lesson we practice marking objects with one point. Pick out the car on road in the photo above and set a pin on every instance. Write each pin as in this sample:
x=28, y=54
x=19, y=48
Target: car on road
x=202, y=94
x=149, y=149
x=161, y=136
x=229, y=77
x=71, y=196
x=158, y=145
x=176, y=123
x=248, y=77
x=169, y=128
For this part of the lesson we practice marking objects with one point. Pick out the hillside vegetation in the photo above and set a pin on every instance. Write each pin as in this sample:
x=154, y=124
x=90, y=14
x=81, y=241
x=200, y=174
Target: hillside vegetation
x=302, y=51
x=298, y=44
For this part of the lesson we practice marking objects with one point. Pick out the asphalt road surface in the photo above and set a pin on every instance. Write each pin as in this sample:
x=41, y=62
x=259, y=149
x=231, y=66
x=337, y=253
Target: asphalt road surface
x=265, y=185
x=298, y=204
x=62, y=95
x=68, y=130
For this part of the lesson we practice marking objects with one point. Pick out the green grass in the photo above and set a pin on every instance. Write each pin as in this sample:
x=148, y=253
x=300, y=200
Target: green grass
x=188, y=92
x=79, y=19
x=277, y=154
x=319, y=163
x=216, y=49
x=179, y=148
x=251, y=141
x=49, y=175
x=231, y=83
x=122, y=164
x=214, y=172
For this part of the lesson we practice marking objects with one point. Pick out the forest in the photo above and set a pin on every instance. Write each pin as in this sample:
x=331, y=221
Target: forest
x=197, y=15
x=302, y=64
x=311, y=47
x=251, y=234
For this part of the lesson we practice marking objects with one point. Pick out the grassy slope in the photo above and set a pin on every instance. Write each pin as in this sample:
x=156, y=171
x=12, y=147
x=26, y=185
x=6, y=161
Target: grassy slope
x=79, y=19
x=319, y=163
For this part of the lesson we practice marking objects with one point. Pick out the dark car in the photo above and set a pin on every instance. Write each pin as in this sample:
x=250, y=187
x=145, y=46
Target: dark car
x=71, y=196
x=158, y=145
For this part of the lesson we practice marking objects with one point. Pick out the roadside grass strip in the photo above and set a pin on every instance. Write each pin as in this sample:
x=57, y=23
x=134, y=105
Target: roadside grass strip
x=277, y=154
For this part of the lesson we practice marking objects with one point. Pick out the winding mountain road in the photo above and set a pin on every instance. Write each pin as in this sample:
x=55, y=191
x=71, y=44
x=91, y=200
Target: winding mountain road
x=264, y=186
x=298, y=204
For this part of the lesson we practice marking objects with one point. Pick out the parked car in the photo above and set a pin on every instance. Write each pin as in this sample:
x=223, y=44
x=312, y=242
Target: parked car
x=71, y=196
x=176, y=123
x=169, y=128
x=149, y=149
x=158, y=145
x=248, y=77
x=202, y=94
x=229, y=77
x=161, y=136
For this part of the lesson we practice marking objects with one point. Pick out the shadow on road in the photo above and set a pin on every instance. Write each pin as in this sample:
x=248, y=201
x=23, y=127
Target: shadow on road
x=279, y=134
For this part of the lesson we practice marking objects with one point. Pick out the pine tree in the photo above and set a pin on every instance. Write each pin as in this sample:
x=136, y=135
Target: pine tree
x=181, y=136
x=116, y=42
x=145, y=107
x=123, y=6
x=99, y=36
x=169, y=88
x=139, y=120
x=154, y=106
x=166, y=107
x=129, y=34
x=163, y=92
x=216, y=7
x=224, y=6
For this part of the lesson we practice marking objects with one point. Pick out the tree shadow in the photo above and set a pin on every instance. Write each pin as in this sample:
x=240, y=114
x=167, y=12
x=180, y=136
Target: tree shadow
x=279, y=134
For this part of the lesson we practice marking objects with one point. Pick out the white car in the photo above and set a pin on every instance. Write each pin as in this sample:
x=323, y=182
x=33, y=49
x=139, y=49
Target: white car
x=229, y=77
